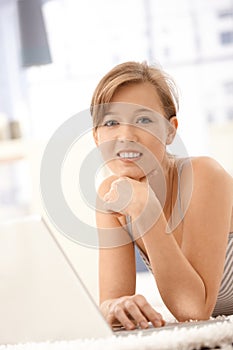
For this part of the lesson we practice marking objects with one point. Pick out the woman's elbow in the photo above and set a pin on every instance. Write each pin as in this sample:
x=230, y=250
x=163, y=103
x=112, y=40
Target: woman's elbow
x=198, y=313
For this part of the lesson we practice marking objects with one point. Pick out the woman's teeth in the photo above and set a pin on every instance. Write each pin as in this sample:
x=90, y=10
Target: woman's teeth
x=130, y=155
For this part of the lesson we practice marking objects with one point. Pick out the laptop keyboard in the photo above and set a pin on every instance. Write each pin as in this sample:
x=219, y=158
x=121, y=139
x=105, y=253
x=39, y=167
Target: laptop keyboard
x=121, y=331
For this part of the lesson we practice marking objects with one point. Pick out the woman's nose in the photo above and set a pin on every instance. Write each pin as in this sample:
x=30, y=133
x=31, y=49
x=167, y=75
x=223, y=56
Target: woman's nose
x=128, y=132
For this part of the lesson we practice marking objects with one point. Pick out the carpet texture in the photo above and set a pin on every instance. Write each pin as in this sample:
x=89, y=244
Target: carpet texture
x=212, y=336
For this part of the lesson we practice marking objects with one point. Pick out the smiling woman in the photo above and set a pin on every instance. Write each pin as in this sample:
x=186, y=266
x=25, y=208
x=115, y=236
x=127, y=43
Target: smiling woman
x=152, y=193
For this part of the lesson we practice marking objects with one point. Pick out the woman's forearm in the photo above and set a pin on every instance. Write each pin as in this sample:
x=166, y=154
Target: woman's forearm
x=181, y=288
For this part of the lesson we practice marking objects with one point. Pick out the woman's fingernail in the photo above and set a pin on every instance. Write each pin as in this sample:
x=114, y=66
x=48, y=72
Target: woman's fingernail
x=129, y=326
x=143, y=324
x=158, y=323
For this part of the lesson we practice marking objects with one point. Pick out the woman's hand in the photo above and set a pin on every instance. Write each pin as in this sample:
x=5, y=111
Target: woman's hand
x=136, y=199
x=128, y=196
x=131, y=311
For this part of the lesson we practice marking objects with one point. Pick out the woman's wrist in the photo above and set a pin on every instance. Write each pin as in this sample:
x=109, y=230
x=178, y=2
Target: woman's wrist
x=148, y=216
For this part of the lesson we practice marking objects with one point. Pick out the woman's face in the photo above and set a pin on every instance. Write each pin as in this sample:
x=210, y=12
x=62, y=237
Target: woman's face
x=133, y=133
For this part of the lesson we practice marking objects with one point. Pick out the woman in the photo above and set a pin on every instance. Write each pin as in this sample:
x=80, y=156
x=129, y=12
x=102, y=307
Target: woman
x=178, y=211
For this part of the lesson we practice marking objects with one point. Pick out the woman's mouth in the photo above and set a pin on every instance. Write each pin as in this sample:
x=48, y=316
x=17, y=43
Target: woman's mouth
x=129, y=155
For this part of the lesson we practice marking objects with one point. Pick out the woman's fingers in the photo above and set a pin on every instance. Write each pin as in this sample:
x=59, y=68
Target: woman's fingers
x=123, y=317
x=119, y=313
x=149, y=312
x=136, y=313
x=119, y=196
x=134, y=310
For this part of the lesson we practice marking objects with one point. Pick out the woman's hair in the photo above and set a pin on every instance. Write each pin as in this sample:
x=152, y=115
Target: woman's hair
x=134, y=73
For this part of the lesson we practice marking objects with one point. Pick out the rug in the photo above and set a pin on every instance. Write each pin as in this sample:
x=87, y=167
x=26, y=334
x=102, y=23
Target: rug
x=211, y=336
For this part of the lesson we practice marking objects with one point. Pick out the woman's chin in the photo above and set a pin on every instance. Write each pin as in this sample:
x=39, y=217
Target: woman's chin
x=136, y=175
x=129, y=170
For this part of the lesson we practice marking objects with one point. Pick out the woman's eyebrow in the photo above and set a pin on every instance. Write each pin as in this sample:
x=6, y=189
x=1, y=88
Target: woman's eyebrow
x=106, y=113
x=143, y=110
x=152, y=113
x=135, y=112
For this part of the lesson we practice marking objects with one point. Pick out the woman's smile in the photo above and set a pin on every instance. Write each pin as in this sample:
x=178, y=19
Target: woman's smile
x=129, y=156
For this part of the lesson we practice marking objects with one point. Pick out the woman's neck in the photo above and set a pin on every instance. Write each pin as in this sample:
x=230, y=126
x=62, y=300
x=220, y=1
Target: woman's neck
x=162, y=181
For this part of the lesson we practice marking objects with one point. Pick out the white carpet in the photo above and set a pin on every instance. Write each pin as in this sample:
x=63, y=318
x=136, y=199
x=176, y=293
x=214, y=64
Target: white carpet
x=220, y=335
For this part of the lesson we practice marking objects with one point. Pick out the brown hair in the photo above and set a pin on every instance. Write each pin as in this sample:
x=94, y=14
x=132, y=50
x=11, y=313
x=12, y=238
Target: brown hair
x=135, y=73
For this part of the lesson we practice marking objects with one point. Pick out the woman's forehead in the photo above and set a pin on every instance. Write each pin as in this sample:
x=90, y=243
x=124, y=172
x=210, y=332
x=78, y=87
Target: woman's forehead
x=130, y=109
x=143, y=94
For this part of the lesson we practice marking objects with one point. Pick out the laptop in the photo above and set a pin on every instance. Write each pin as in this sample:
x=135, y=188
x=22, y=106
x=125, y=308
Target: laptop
x=42, y=297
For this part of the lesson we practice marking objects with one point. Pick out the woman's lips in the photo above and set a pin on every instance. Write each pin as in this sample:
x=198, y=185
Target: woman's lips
x=129, y=155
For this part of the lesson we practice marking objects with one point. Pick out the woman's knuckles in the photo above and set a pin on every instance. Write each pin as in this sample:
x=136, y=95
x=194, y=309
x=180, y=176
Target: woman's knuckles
x=126, y=196
x=140, y=300
x=130, y=305
x=118, y=310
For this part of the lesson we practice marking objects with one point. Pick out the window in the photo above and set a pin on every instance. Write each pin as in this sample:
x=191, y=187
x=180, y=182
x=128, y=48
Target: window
x=228, y=87
x=227, y=13
x=226, y=37
x=210, y=118
x=229, y=114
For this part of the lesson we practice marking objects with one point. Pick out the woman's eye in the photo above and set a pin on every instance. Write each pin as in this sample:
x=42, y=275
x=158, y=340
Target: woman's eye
x=144, y=120
x=111, y=123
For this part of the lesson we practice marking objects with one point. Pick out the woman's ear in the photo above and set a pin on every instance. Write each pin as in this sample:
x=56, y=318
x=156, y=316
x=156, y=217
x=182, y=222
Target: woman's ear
x=172, y=130
x=174, y=121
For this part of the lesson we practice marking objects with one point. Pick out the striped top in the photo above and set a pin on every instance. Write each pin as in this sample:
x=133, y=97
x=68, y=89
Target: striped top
x=224, y=304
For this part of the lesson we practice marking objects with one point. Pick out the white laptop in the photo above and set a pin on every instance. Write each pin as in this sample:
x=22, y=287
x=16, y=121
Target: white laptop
x=42, y=298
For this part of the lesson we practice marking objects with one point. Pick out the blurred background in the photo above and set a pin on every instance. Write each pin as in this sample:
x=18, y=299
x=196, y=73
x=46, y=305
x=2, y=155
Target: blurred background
x=53, y=53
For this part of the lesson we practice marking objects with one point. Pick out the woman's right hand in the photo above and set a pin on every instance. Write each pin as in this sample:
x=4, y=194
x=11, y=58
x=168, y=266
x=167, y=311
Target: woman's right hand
x=130, y=312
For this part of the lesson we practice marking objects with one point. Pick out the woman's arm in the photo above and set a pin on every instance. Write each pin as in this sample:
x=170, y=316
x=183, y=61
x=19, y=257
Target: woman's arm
x=117, y=274
x=189, y=276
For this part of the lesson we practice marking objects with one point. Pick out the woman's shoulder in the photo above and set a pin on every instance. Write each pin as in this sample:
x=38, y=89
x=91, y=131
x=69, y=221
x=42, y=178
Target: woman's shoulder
x=203, y=166
x=205, y=188
x=210, y=169
x=206, y=173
